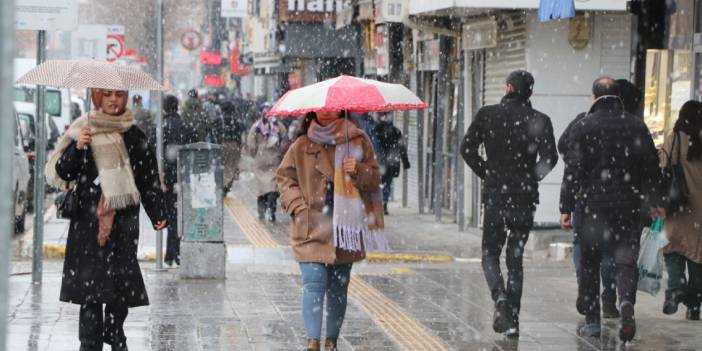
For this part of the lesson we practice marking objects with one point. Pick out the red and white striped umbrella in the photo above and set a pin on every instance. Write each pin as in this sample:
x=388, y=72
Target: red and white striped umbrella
x=84, y=74
x=347, y=93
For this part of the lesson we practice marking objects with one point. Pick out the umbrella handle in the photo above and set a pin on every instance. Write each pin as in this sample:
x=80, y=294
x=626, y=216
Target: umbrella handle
x=349, y=186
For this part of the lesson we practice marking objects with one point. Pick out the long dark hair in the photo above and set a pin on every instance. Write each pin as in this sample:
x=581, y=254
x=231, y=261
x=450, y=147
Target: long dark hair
x=690, y=122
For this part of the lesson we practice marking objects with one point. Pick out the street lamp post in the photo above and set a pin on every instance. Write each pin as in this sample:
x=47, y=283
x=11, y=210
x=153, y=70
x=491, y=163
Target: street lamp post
x=40, y=150
x=7, y=128
x=159, y=117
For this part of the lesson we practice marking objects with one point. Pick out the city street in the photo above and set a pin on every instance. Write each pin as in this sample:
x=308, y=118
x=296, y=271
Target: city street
x=439, y=304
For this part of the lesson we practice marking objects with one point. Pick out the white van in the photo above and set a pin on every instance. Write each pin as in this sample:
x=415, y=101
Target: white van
x=57, y=101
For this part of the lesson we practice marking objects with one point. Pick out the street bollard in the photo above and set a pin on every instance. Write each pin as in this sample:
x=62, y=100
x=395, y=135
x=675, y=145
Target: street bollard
x=200, y=211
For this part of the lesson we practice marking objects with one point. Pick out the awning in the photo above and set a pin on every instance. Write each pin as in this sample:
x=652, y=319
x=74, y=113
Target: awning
x=445, y=7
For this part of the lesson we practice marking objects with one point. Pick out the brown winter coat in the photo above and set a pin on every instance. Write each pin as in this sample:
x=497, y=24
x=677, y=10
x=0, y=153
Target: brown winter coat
x=302, y=177
x=685, y=229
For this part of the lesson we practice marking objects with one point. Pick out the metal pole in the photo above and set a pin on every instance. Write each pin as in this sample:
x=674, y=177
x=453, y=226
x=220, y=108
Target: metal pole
x=40, y=160
x=442, y=101
x=460, y=165
x=420, y=142
x=7, y=126
x=159, y=117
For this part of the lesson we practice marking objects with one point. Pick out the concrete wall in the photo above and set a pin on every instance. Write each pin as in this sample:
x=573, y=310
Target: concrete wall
x=564, y=78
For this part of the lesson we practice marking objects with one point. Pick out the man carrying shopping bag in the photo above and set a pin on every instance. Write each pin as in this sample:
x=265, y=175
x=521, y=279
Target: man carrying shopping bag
x=650, y=263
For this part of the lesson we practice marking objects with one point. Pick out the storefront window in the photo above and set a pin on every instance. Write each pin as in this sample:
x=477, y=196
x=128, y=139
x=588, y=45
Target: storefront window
x=668, y=83
x=669, y=72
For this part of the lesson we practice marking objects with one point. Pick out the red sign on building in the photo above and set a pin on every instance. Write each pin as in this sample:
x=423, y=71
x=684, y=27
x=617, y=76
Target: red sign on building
x=210, y=58
x=214, y=81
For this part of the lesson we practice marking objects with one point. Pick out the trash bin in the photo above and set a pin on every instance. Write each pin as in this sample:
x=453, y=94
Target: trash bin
x=200, y=211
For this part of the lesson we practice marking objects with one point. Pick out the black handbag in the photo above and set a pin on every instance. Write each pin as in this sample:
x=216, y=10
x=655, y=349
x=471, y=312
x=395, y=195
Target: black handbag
x=66, y=204
x=676, y=194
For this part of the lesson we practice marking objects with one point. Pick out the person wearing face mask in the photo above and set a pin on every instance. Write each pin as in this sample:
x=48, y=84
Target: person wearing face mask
x=329, y=182
x=111, y=167
x=611, y=166
x=521, y=151
x=265, y=142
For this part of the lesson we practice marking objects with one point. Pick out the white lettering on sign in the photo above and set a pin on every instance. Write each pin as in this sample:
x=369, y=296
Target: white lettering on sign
x=315, y=5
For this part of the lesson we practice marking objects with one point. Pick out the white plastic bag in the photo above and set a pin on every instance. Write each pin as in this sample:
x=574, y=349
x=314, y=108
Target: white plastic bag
x=651, y=263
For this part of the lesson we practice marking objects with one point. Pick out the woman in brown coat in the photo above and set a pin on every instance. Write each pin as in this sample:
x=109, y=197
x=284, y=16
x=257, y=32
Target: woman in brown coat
x=330, y=184
x=684, y=228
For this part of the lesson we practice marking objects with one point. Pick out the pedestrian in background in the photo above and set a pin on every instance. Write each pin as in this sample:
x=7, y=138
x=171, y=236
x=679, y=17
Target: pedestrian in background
x=391, y=152
x=142, y=116
x=176, y=133
x=514, y=136
x=232, y=135
x=196, y=117
x=113, y=168
x=684, y=228
x=607, y=265
x=334, y=200
x=265, y=143
x=610, y=163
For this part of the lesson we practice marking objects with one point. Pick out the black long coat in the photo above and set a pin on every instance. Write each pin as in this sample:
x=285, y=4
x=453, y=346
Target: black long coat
x=92, y=273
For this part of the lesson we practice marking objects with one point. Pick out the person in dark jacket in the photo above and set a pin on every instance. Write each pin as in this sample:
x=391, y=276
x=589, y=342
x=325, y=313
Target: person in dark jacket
x=196, y=117
x=176, y=133
x=609, y=290
x=611, y=163
x=514, y=135
x=113, y=168
x=232, y=135
x=391, y=153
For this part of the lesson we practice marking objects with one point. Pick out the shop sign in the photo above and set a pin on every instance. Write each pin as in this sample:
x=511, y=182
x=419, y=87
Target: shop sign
x=214, y=81
x=382, y=52
x=46, y=15
x=428, y=55
x=310, y=10
x=391, y=11
x=480, y=35
x=210, y=58
x=235, y=8
x=579, y=31
x=294, y=79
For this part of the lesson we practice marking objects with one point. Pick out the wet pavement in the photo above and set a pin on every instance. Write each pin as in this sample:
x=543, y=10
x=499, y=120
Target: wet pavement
x=393, y=306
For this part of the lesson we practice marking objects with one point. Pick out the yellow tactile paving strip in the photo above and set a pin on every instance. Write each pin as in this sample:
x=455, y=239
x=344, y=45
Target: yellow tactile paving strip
x=252, y=228
x=405, y=330
x=396, y=323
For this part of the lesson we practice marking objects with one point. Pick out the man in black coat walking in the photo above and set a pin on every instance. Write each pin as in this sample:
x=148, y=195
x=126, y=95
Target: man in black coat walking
x=611, y=165
x=514, y=135
x=176, y=133
x=391, y=153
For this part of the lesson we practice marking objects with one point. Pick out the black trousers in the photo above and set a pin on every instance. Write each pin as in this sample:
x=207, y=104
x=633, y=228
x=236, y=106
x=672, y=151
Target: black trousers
x=613, y=232
x=93, y=330
x=172, y=241
x=267, y=201
x=510, y=225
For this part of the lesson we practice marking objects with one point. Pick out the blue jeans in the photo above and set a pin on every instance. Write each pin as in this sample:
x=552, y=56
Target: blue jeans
x=318, y=279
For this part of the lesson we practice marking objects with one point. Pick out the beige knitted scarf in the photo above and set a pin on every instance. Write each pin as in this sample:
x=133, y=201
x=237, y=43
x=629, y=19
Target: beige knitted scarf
x=110, y=154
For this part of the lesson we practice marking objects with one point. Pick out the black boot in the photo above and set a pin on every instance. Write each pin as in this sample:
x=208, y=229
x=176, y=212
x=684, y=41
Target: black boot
x=609, y=310
x=693, y=314
x=385, y=209
x=670, y=306
x=501, y=322
x=627, y=328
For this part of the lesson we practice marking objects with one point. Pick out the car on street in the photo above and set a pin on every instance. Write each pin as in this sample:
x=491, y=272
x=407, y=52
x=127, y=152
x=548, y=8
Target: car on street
x=21, y=179
x=27, y=128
